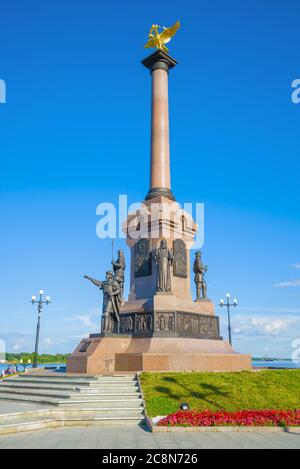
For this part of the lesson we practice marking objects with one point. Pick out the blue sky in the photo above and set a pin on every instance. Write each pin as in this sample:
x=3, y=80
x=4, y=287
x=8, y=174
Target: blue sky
x=75, y=132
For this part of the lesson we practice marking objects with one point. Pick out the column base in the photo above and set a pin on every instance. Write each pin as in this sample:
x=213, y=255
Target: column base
x=160, y=191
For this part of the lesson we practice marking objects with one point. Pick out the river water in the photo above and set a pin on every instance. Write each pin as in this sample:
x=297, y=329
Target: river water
x=286, y=364
x=3, y=366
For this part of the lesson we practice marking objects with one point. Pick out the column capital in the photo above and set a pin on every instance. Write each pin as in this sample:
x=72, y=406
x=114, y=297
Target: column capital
x=159, y=59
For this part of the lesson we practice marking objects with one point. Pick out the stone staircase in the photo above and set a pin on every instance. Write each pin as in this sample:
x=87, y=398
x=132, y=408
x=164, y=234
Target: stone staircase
x=60, y=400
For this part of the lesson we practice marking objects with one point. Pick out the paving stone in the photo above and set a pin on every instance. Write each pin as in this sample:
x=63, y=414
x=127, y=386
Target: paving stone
x=114, y=438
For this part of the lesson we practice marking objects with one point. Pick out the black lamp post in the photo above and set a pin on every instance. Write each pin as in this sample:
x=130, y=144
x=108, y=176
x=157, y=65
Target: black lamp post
x=228, y=305
x=40, y=302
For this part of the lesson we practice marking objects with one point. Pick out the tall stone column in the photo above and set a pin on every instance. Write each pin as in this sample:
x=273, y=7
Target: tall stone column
x=159, y=65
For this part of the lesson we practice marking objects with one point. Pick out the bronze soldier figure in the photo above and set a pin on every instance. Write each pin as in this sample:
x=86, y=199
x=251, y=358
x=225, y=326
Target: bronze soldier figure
x=111, y=302
x=119, y=271
x=199, y=270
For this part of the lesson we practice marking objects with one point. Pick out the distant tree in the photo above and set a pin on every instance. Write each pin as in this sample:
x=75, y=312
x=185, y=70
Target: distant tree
x=42, y=358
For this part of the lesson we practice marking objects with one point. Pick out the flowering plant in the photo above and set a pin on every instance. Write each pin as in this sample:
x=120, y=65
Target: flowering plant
x=208, y=418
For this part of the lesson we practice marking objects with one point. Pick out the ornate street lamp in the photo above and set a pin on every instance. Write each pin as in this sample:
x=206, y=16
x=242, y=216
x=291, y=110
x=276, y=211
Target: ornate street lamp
x=228, y=305
x=40, y=302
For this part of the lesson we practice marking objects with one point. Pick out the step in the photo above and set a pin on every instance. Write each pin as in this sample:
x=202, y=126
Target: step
x=85, y=404
x=112, y=416
x=55, y=401
x=24, y=425
x=61, y=385
x=66, y=395
x=73, y=412
x=63, y=376
x=57, y=376
x=9, y=387
x=71, y=384
x=83, y=379
x=49, y=382
x=45, y=374
x=66, y=401
x=75, y=390
x=67, y=382
x=29, y=386
x=27, y=398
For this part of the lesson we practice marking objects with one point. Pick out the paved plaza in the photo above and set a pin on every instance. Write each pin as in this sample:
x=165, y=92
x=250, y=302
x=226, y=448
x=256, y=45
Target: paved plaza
x=139, y=437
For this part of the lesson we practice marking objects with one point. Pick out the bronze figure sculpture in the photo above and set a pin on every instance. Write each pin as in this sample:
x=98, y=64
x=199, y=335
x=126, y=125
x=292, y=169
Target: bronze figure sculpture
x=119, y=271
x=163, y=258
x=111, y=302
x=199, y=270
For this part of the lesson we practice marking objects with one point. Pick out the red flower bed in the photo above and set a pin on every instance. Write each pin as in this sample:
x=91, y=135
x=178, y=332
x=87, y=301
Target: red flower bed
x=207, y=418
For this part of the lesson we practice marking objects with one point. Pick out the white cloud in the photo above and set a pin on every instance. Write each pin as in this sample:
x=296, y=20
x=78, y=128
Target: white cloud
x=78, y=317
x=296, y=265
x=47, y=342
x=62, y=341
x=86, y=320
x=19, y=343
x=293, y=283
x=257, y=325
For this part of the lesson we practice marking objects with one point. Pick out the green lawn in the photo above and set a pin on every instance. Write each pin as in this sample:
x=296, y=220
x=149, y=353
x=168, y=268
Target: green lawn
x=266, y=389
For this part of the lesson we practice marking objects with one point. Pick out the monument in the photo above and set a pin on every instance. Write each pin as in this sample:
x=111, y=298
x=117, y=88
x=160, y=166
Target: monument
x=159, y=327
